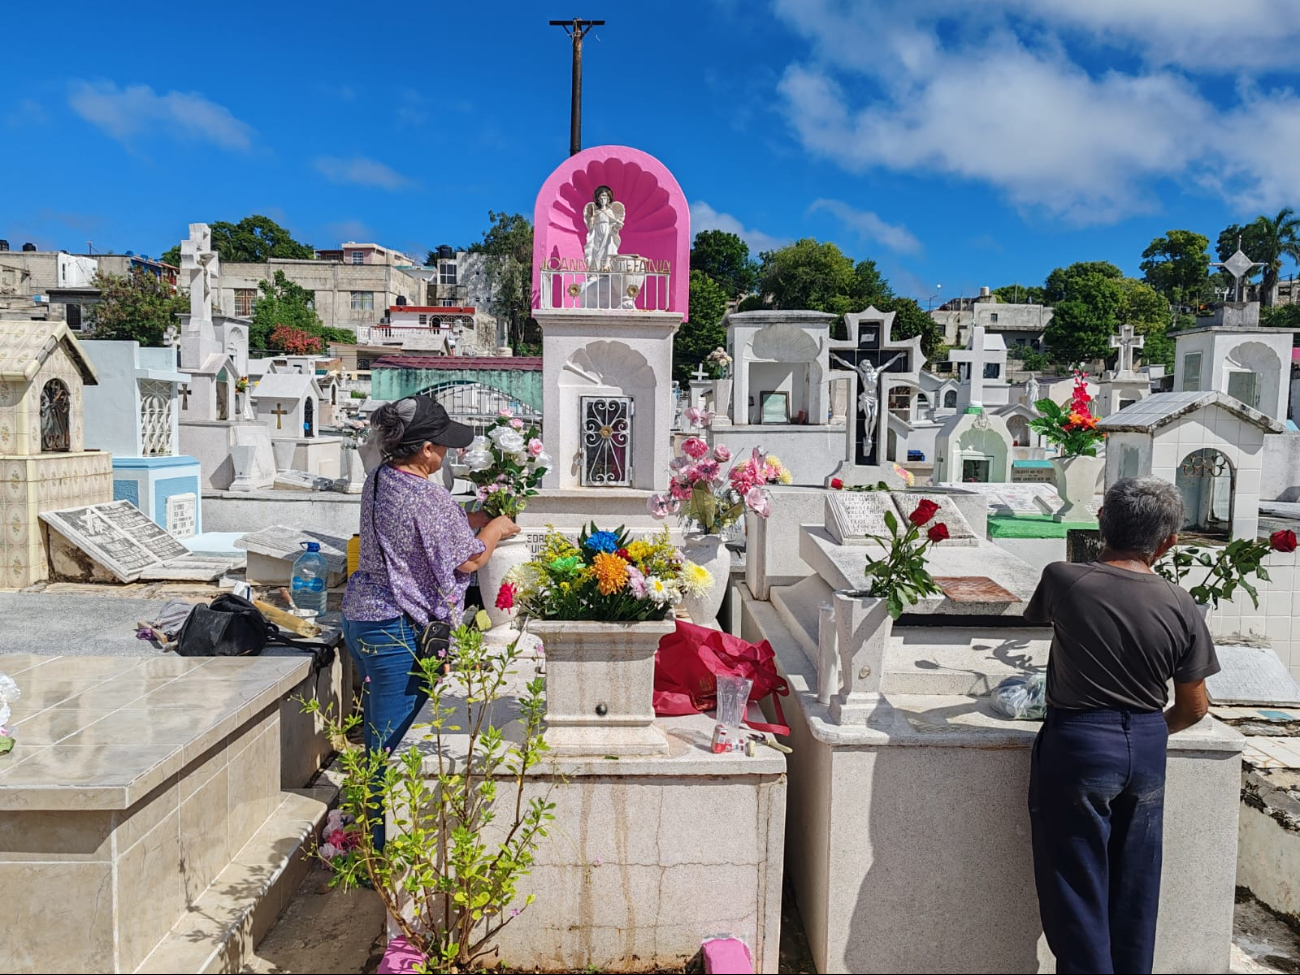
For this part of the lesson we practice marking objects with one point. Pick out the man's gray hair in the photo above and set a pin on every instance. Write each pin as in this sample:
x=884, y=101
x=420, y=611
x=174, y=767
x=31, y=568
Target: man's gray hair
x=1139, y=513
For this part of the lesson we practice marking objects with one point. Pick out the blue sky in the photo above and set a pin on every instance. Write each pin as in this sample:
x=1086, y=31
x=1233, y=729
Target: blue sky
x=957, y=143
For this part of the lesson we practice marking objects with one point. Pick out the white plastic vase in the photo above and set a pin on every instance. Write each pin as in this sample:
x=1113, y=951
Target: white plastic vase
x=709, y=551
x=508, y=554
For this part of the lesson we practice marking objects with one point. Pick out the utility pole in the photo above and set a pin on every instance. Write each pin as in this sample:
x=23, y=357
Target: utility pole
x=577, y=30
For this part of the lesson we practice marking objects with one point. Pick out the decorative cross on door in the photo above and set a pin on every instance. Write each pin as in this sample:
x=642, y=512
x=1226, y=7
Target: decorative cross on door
x=280, y=413
x=1126, y=341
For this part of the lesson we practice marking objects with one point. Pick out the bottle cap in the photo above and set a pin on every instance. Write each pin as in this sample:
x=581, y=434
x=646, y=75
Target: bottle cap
x=312, y=546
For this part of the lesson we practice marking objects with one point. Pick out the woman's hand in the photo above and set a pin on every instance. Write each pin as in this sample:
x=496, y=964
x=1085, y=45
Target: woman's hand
x=502, y=527
x=477, y=520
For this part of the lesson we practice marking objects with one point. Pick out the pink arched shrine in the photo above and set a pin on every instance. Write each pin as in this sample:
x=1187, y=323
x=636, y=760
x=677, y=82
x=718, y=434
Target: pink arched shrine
x=657, y=227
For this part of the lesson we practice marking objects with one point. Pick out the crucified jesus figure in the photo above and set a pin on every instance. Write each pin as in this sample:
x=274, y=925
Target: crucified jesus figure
x=868, y=393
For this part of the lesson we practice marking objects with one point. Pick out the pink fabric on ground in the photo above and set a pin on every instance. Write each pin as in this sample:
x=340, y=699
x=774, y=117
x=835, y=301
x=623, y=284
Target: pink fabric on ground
x=727, y=956
x=399, y=958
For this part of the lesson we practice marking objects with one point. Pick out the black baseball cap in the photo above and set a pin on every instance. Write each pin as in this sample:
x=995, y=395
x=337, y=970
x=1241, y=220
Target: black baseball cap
x=432, y=424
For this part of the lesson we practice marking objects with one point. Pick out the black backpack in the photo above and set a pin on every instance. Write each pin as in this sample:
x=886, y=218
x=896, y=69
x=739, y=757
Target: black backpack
x=233, y=627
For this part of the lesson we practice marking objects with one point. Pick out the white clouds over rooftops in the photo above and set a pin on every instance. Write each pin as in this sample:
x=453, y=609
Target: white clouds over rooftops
x=869, y=226
x=126, y=113
x=1000, y=96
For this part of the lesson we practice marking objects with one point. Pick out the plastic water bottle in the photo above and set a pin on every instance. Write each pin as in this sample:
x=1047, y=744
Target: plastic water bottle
x=310, y=575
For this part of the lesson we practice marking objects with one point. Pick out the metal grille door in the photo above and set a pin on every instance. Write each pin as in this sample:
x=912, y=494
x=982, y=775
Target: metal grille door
x=606, y=440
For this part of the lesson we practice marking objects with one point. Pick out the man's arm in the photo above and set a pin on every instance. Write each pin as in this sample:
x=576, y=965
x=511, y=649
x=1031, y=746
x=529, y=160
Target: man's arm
x=1190, y=705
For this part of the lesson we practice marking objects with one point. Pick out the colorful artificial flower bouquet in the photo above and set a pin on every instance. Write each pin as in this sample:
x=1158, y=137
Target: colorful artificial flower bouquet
x=1073, y=430
x=340, y=837
x=720, y=363
x=602, y=576
x=507, y=464
x=710, y=499
x=900, y=577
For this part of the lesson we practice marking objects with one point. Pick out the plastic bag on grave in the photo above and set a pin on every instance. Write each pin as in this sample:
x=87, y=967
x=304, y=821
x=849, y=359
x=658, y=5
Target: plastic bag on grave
x=1021, y=698
x=692, y=658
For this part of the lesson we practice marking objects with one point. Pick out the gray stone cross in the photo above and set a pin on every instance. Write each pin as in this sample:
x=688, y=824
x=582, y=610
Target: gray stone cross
x=1126, y=341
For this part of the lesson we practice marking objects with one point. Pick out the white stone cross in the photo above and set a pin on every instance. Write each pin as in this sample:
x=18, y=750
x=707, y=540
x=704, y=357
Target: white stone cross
x=1126, y=341
x=699, y=373
x=973, y=356
x=203, y=266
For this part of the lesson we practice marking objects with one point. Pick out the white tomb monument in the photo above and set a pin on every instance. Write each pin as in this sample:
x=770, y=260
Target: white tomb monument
x=975, y=444
x=1123, y=386
x=234, y=451
x=879, y=369
x=781, y=392
x=134, y=413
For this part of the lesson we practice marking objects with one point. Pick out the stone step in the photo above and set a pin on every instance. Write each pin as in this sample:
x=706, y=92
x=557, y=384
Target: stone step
x=220, y=930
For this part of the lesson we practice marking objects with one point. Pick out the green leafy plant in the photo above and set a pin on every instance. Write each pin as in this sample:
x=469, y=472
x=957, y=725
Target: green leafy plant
x=900, y=577
x=1227, y=569
x=462, y=830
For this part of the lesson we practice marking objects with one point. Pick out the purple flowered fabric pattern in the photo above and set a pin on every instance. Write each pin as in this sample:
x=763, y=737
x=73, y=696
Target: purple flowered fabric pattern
x=425, y=535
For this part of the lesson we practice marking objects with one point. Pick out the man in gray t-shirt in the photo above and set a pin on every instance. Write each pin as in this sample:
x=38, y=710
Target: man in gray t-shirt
x=1097, y=781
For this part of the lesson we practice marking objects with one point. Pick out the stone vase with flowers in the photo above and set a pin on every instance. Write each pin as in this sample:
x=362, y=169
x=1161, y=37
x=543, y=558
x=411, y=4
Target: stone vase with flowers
x=709, y=500
x=1073, y=431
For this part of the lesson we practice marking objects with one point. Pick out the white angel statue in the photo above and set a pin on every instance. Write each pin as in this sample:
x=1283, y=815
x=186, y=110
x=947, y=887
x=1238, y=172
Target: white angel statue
x=604, y=218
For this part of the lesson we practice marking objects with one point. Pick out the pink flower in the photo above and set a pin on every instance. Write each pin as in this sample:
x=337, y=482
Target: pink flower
x=535, y=446
x=722, y=453
x=705, y=470
x=697, y=417
x=695, y=447
x=336, y=838
x=597, y=862
x=506, y=596
x=757, y=501
x=517, y=423
x=679, y=463
x=679, y=488
x=506, y=413
x=367, y=680
x=636, y=582
x=329, y=851
x=663, y=505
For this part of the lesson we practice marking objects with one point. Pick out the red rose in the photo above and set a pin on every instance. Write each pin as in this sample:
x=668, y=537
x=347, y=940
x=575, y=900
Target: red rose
x=1283, y=540
x=506, y=596
x=923, y=513
x=836, y=483
x=938, y=533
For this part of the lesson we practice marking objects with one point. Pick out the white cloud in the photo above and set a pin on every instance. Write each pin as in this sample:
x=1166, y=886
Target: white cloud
x=998, y=98
x=362, y=172
x=125, y=113
x=869, y=226
x=345, y=230
x=704, y=217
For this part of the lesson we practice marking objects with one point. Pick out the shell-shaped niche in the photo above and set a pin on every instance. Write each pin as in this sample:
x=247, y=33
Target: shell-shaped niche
x=783, y=342
x=612, y=364
x=651, y=224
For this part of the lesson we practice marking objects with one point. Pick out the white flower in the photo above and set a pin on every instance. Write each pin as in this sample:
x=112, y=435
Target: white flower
x=496, y=433
x=659, y=590
x=477, y=460
x=542, y=460
x=522, y=458
x=510, y=441
x=479, y=443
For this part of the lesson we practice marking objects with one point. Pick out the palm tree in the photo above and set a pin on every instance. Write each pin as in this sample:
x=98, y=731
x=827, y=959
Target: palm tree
x=1277, y=238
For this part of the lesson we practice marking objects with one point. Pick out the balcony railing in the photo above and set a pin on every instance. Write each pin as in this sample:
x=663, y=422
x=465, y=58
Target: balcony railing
x=630, y=286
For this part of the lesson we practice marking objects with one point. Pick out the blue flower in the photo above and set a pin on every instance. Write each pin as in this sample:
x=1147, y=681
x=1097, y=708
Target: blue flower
x=602, y=542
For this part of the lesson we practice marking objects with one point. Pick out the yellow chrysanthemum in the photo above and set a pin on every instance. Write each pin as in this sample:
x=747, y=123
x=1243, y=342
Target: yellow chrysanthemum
x=696, y=579
x=774, y=460
x=786, y=476
x=640, y=550
x=611, y=573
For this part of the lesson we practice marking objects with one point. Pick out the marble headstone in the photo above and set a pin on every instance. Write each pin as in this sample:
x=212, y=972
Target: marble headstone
x=959, y=529
x=853, y=515
x=1252, y=676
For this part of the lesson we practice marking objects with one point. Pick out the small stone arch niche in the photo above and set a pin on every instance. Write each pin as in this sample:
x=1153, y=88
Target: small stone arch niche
x=56, y=417
x=1207, y=481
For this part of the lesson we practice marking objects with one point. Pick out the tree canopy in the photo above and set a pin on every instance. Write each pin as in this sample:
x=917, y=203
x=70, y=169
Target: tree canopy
x=1177, y=265
x=284, y=316
x=705, y=331
x=254, y=240
x=1092, y=299
x=724, y=257
x=137, y=306
x=1020, y=294
x=507, y=245
x=1268, y=240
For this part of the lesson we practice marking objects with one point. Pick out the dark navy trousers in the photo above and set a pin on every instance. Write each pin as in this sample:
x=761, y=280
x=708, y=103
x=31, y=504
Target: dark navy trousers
x=1096, y=805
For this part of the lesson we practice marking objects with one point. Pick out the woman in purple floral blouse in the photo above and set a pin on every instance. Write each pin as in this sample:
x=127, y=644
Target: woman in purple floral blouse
x=418, y=550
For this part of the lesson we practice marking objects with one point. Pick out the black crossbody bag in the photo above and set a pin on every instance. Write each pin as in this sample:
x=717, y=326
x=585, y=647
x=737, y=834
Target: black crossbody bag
x=434, y=640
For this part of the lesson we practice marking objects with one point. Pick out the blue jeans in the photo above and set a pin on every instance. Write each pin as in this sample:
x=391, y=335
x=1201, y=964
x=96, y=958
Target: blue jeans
x=392, y=687
x=1096, y=806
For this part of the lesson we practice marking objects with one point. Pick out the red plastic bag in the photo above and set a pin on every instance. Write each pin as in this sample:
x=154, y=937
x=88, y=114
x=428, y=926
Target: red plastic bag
x=689, y=661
